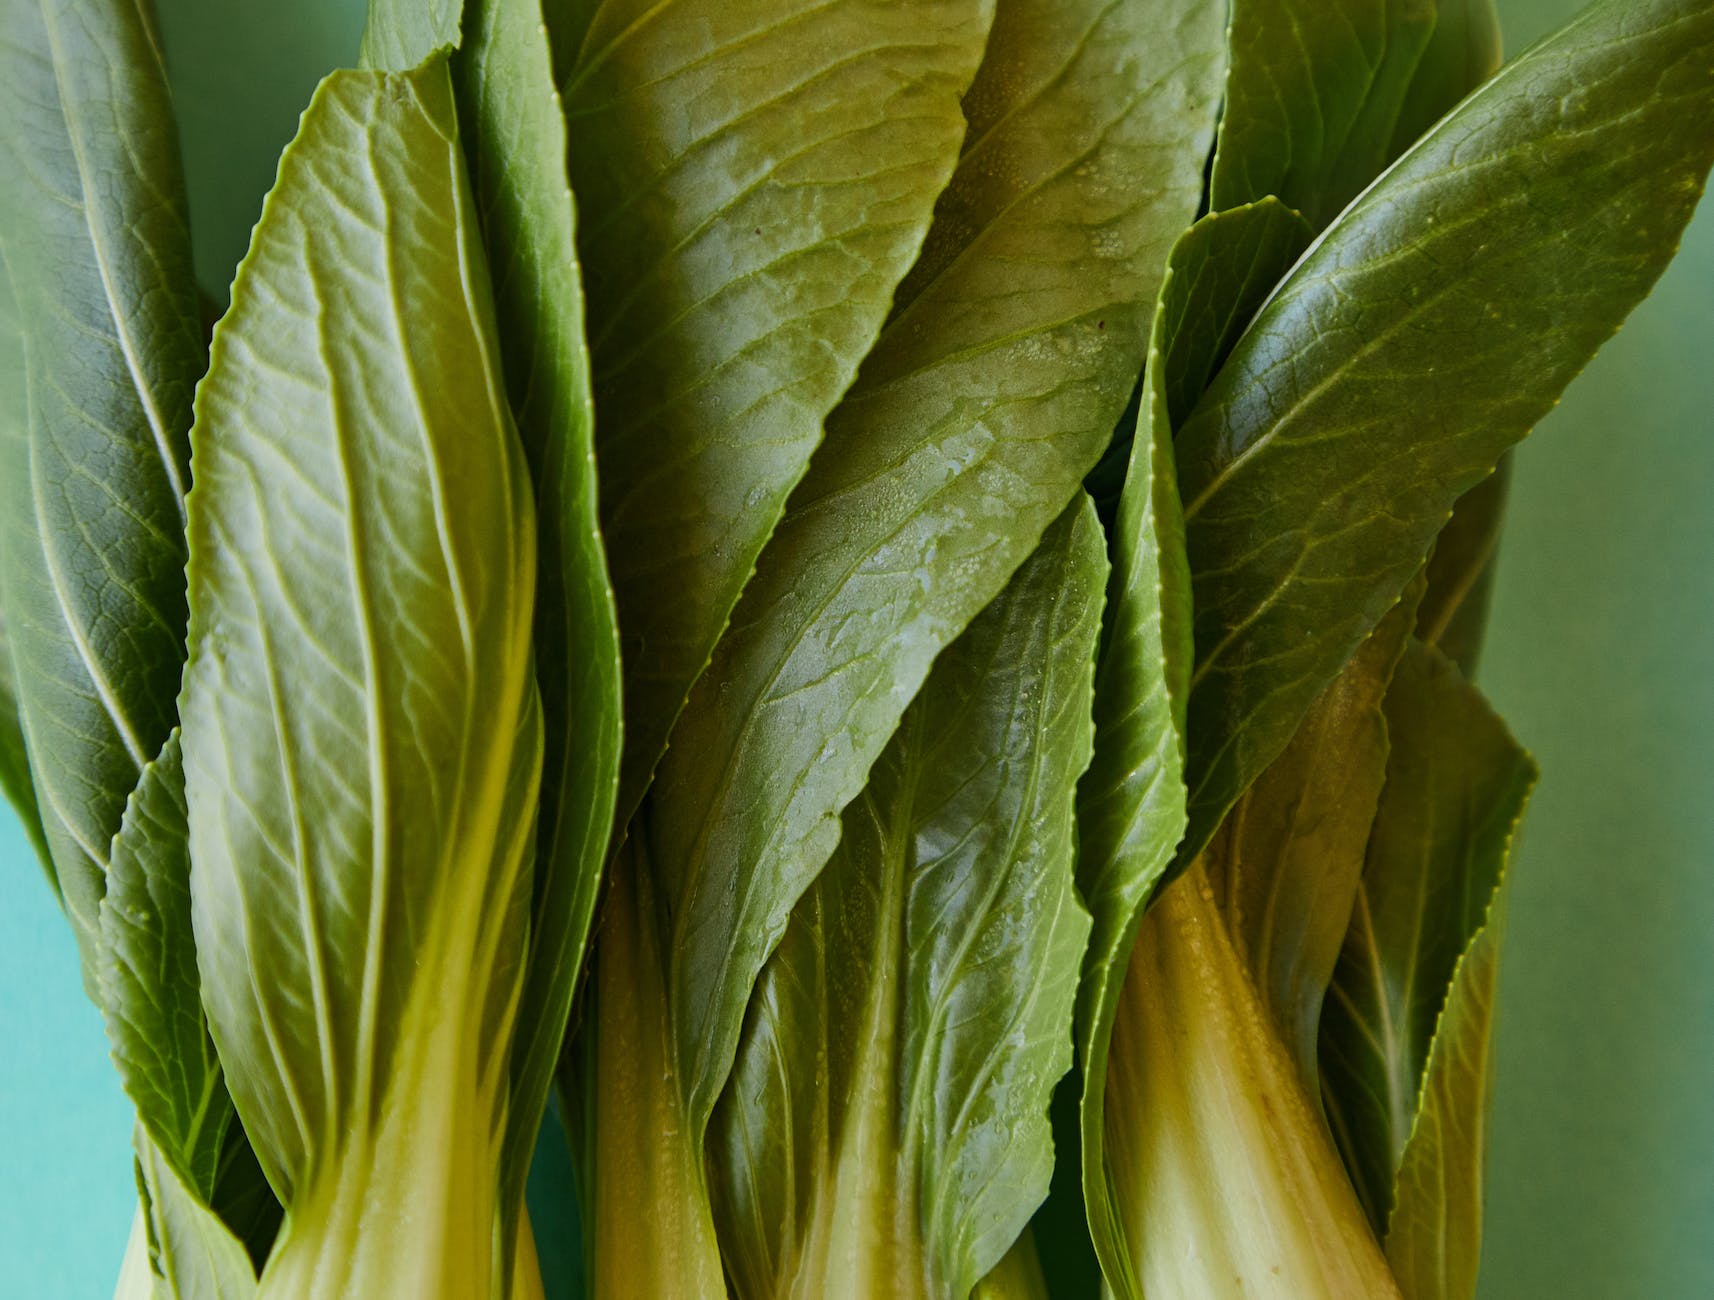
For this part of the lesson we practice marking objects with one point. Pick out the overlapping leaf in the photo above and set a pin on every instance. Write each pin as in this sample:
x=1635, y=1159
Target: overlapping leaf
x=885, y=1128
x=754, y=178
x=1131, y=802
x=361, y=729
x=92, y=217
x=1425, y=333
x=516, y=144
x=1456, y=786
x=1460, y=572
x=1013, y=347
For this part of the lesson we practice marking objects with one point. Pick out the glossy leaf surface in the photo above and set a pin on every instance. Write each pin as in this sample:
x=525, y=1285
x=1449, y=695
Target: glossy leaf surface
x=362, y=736
x=1425, y=333
x=754, y=177
x=885, y=1129
x=1013, y=347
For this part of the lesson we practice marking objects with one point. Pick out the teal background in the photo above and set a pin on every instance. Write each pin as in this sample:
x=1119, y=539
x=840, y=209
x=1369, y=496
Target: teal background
x=1601, y=655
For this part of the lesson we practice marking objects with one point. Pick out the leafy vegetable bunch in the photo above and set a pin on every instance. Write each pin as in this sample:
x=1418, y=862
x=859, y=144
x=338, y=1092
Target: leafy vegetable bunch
x=1020, y=477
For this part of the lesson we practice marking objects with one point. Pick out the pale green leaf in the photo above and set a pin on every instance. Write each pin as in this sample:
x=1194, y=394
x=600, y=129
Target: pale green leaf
x=516, y=145
x=194, y=1254
x=1456, y=786
x=149, y=985
x=885, y=1128
x=92, y=552
x=361, y=730
x=1015, y=342
x=754, y=178
x=1131, y=802
x=1425, y=333
x=400, y=34
x=1016, y=1277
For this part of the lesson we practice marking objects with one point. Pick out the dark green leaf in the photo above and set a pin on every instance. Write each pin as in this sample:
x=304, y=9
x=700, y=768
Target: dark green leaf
x=1456, y=786
x=1425, y=333
x=1313, y=99
x=1015, y=343
x=92, y=218
x=516, y=145
x=1131, y=803
x=362, y=736
x=754, y=178
x=1454, y=611
x=885, y=1128
x=1463, y=53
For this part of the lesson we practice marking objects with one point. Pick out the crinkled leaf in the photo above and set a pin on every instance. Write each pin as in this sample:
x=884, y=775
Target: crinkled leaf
x=400, y=34
x=362, y=737
x=1456, y=786
x=92, y=218
x=754, y=178
x=1426, y=332
x=1131, y=802
x=1314, y=93
x=1454, y=611
x=516, y=144
x=1014, y=345
x=885, y=1128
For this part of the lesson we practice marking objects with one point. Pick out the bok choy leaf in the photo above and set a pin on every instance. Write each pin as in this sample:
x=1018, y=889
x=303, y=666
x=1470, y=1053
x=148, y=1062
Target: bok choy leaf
x=885, y=1128
x=362, y=734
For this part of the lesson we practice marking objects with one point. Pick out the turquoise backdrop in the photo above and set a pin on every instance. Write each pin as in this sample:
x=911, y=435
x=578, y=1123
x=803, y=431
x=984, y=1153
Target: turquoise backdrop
x=1601, y=655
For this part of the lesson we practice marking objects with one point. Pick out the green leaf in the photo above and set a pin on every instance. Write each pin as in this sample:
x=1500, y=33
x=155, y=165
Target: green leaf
x=15, y=781
x=1425, y=333
x=1454, y=611
x=1314, y=93
x=400, y=34
x=885, y=1128
x=1131, y=802
x=516, y=145
x=362, y=734
x=1016, y=1277
x=150, y=991
x=92, y=218
x=1434, y=1238
x=754, y=177
x=1286, y=864
x=1456, y=786
x=1013, y=347
x=191, y=1250
x=1463, y=52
